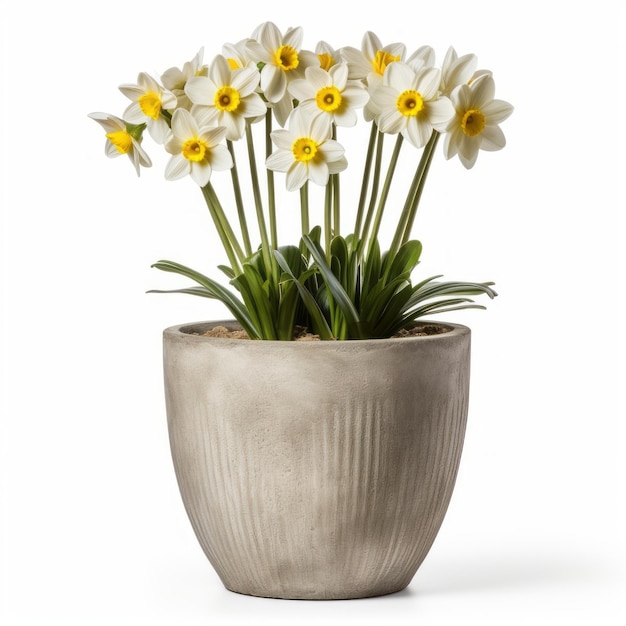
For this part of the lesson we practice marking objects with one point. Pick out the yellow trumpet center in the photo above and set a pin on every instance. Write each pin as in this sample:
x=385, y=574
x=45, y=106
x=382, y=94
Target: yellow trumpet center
x=382, y=59
x=473, y=122
x=286, y=58
x=194, y=149
x=304, y=149
x=328, y=99
x=326, y=60
x=233, y=64
x=150, y=105
x=410, y=103
x=121, y=140
x=227, y=99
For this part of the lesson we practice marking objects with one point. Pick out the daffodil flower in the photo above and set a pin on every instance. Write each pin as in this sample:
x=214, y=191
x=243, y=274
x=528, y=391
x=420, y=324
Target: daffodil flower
x=228, y=97
x=327, y=55
x=475, y=125
x=305, y=151
x=281, y=61
x=122, y=139
x=330, y=93
x=372, y=58
x=408, y=102
x=195, y=148
x=456, y=70
x=176, y=78
x=149, y=99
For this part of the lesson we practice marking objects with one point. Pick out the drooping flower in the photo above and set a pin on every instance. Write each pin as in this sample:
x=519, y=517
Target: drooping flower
x=475, y=125
x=456, y=70
x=149, y=99
x=306, y=151
x=330, y=93
x=123, y=138
x=282, y=61
x=195, y=148
x=176, y=78
x=408, y=102
x=372, y=58
x=227, y=96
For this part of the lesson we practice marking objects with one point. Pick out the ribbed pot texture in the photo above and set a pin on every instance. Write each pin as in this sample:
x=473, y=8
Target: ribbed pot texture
x=316, y=470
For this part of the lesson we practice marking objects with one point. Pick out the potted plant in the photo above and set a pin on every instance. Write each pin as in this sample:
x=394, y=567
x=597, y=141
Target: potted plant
x=319, y=468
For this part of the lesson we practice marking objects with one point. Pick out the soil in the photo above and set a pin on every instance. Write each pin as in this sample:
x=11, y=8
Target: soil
x=302, y=334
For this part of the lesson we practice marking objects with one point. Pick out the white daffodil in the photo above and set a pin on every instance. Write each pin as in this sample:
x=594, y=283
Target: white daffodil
x=306, y=151
x=176, y=78
x=327, y=55
x=148, y=100
x=195, y=148
x=282, y=61
x=408, y=102
x=282, y=58
x=456, y=70
x=228, y=97
x=372, y=58
x=330, y=93
x=238, y=55
x=122, y=139
x=475, y=125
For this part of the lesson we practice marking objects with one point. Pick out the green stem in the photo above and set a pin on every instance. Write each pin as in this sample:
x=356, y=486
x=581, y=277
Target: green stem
x=374, y=192
x=258, y=203
x=304, y=216
x=336, y=196
x=271, y=196
x=328, y=217
x=239, y=202
x=385, y=192
x=221, y=230
x=419, y=181
x=365, y=182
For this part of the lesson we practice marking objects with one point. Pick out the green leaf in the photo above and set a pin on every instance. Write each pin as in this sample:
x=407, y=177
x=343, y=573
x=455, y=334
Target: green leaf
x=320, y=325
x=254, y=291
x=212, y=289
x=335, y=288
x=405, y=260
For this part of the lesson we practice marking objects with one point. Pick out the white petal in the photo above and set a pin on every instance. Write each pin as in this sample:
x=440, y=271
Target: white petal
x=334, y=167
x=301, y=89
x=297, y=175
x=159, y=129
x=440, y=112
x=358, y=65
x=492, y=139
x=497, y=111
x=418, y=133
x=293, y=37
x=219, y=71
x=273, y=82
x=428, y=82
x=280, y=161
x=318, y=172
x=391, y=121
x=134, y=114
x=345, y=117
x=282, y=139
x=283, y=108
x=252, y=106
x=201, y=172
x=235, y=126
x=371, y=44
x=339, y=73
x=245, y=80
x=220, y=158
x=400, y=77
x=177, y=167
x=200, y=90
x=331, y=150
x=184, y=125
x=483, y=90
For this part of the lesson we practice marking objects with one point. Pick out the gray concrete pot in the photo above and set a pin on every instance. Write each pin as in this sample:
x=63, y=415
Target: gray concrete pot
x=317, y=470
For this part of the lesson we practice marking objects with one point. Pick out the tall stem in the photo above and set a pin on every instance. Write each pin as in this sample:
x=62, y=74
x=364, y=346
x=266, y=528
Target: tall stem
x=336, y=196
x=365, y=182
x=258, y=203
x=271, y=196
x=420, y=180
x=385, y=192
x=304, y=215
x=374, y=192
x=239, y=201
x=328, y=201
x=223, y=229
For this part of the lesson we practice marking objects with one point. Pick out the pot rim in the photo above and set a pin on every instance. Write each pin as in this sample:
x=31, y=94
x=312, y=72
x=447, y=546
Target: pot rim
x=192, y=332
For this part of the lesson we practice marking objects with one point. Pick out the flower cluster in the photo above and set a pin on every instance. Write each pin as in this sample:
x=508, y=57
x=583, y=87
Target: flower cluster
x=196, y=113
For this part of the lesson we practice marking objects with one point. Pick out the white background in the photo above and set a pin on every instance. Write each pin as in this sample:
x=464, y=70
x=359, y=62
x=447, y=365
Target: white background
x=93, y=530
